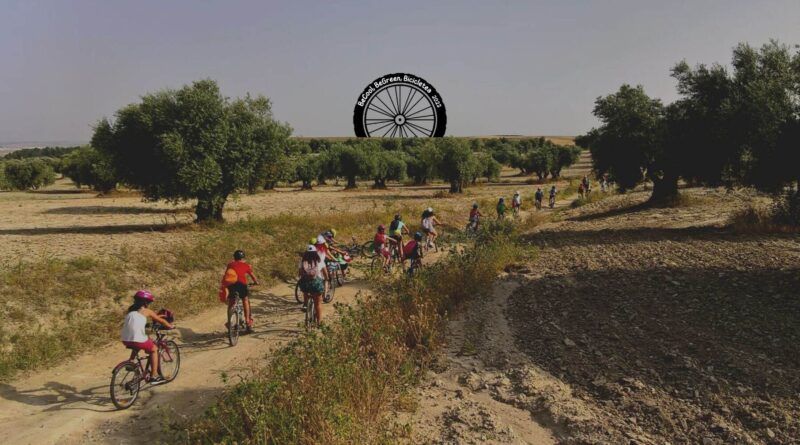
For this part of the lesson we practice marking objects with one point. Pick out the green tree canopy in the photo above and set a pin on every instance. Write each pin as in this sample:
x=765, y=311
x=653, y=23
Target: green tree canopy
x=191, y=144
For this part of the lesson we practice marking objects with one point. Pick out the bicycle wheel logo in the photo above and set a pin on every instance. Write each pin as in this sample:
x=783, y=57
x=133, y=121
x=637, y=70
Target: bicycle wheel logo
x=399, y=105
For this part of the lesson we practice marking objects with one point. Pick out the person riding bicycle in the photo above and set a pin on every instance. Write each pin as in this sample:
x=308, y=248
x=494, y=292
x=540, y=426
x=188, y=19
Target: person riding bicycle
x=242, y=270
x=539, y=196
x=413, y=250
x=396, y=229
x=501, y=208
x=474, y=216
x=133, y=333
x=381, y=245
x=312, y=276
x=429, y=226
x=516, y=202
x=553, y=192
x=333, y=254
x=426, y=213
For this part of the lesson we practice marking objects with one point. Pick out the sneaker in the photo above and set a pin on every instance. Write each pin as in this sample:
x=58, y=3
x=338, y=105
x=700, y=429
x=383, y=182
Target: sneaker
x=158, y=380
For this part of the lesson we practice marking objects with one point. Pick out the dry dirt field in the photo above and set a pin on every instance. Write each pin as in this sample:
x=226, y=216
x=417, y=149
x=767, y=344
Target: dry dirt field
x=61, y=221
x=633, y=325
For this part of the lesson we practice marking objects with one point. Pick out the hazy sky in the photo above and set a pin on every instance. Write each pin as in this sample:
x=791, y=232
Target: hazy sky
x=511, y=67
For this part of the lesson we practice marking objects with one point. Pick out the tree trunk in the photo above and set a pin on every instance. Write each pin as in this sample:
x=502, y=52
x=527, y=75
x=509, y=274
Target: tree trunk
x=269, y=185
x=379, y=184
x=306, y=185
x=455, y=186
x=351, y=183
x=665, y=189
x=210, y=209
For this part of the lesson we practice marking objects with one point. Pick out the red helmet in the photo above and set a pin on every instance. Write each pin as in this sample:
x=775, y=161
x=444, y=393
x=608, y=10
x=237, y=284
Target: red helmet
x=144, y=295
x=381, y=228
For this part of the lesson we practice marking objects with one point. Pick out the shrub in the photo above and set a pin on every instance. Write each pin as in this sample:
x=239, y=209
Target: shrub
x=28, y=174
x=87, y=166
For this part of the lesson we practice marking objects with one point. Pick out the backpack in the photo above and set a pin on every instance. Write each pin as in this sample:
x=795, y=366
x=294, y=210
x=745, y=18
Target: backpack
x=393, y=226
x=308, y=271
x=230, y=277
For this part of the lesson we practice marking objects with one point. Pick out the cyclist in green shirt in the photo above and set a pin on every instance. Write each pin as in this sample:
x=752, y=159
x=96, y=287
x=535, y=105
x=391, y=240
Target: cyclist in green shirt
x=396, y=230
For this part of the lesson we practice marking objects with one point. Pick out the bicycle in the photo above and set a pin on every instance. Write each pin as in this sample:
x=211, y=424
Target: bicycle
x=353, y=249
x=538, y=204
x=377, y=261
x=515, y=211
x=552, y=202
x=328, y=297
x=128, y=376
x=311, y=315
x=236, y=321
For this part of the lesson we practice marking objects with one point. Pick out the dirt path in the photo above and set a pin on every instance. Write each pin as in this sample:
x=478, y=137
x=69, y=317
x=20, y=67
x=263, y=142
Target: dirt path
x=70, y=404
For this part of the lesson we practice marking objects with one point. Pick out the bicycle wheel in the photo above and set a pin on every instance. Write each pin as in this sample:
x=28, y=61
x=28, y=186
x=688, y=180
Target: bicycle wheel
x=298, y=295
x=169, y=360
x=368, y=249
x=233, y=325
x=310, y=314
x=339, y=276
x=327, y=298
x=125, y=384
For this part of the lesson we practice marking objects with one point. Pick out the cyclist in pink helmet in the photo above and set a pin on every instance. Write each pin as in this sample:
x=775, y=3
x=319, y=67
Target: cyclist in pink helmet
x=133, y=330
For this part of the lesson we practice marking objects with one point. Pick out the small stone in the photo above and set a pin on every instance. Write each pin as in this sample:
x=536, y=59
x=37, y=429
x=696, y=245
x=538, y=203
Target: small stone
x=569, y=342
x=770, y=433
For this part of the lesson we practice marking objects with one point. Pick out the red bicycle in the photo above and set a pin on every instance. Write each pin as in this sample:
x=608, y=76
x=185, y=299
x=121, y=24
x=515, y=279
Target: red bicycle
x=129, y=376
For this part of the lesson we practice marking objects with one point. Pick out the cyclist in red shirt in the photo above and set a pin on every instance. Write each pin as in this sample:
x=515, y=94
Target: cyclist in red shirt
x=242, y=270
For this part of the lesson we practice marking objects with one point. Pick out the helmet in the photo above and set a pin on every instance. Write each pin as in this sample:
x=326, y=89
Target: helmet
x=166, y=314
x=312, y=241
x=397, y=217
x=381, y=228
x=238, y=255
x=474, y=205
x=144, y=295
x=430, y=209
x=502, y=199
x=517, y=192
x=418, y=236
x=311, y=248
x=332, y=232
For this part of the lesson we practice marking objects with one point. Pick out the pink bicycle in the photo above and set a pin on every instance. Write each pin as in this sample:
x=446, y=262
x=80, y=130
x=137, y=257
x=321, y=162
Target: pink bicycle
x=129, y=376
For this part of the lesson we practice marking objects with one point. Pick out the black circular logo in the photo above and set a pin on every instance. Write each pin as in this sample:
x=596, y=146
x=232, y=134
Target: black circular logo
x=399, y=105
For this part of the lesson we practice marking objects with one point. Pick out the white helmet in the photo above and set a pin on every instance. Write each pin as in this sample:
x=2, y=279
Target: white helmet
x=429, y=209
x=517, y=192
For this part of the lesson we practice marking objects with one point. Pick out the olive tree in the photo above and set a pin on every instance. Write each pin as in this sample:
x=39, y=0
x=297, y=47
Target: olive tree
x=28, y=174
x=87, y=166
x=456, y=165
x=191, y=144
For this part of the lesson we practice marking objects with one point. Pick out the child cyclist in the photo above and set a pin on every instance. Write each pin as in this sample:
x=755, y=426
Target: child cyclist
x=516, y=203
x=396, y=230
x=381, y=245
x=501, y=208
x=474, y=217
x=133, y=333
x=413, y=251
x=242, y=269
x=312, y=277
x=429, y=223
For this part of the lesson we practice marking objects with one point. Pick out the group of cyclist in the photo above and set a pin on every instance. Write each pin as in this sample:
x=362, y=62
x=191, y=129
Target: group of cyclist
x=313, y=272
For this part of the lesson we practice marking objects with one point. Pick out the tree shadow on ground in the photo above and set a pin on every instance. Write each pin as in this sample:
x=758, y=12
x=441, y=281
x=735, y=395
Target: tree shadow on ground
x=114, y=210
x=677, y=348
